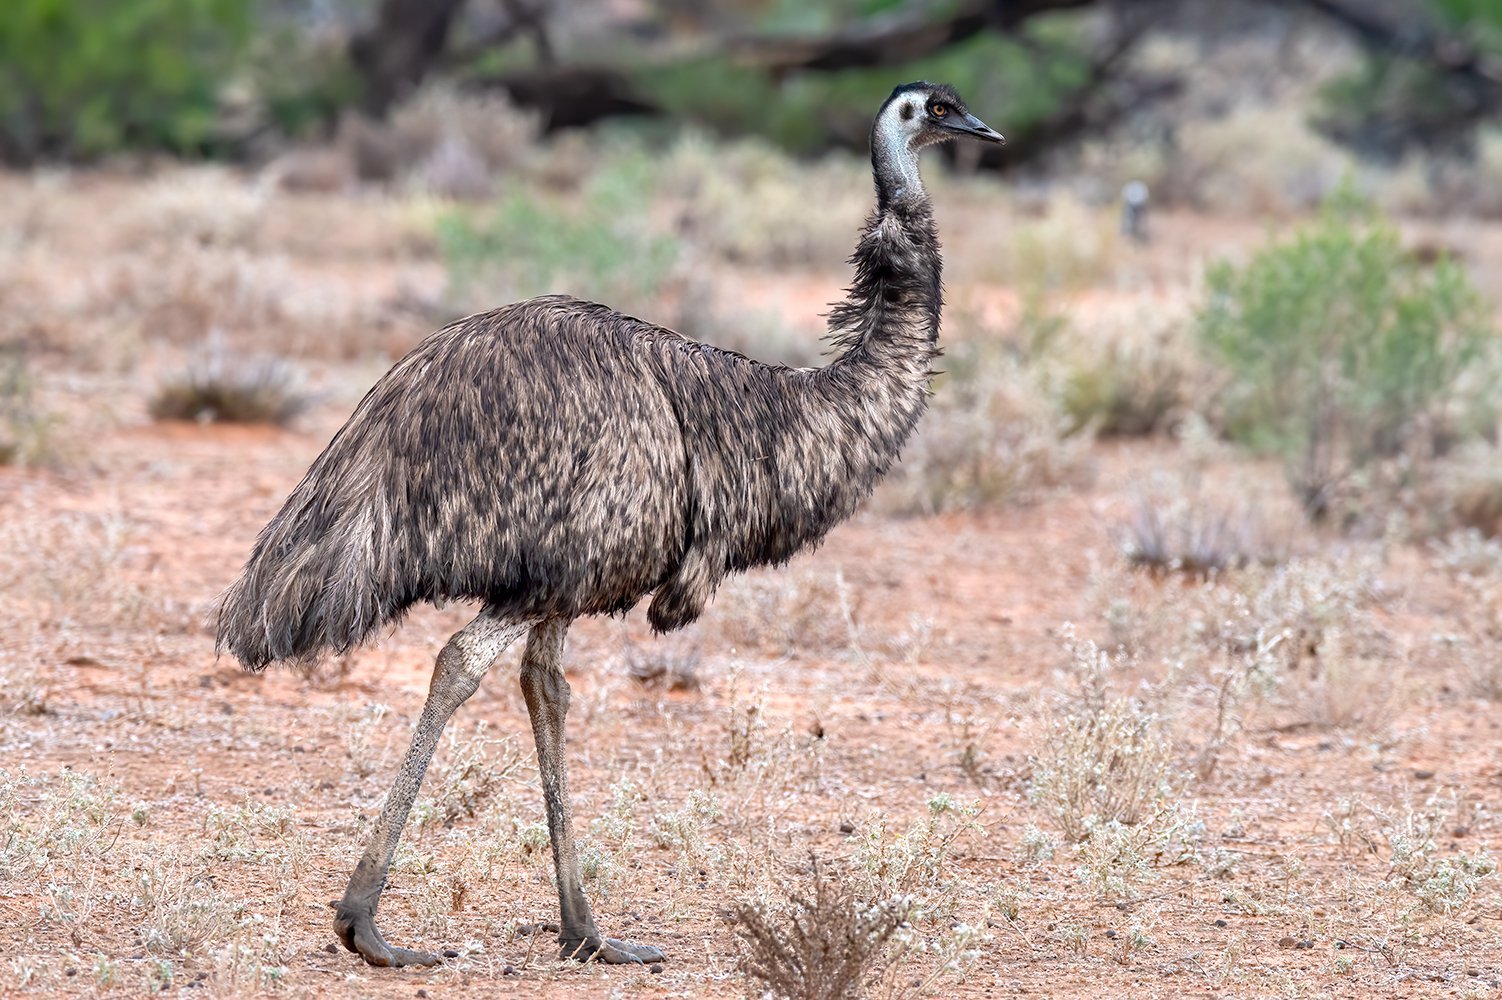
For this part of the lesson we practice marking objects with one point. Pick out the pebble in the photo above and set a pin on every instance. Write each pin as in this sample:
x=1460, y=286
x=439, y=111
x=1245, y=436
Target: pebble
x=1220, y=923
x=422, y=993
x=450, y=953
x=331, y=948
x=656, y=969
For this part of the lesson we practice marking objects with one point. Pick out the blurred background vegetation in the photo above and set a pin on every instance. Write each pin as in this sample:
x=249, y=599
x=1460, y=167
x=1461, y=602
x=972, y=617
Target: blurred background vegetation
x=81, y=79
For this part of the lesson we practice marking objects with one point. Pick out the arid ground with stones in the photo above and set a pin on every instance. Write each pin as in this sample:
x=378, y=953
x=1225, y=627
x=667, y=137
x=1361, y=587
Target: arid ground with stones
x=1165, y=663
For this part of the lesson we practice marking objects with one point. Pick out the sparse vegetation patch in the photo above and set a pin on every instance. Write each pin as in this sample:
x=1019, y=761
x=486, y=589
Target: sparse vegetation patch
x=1342, y=353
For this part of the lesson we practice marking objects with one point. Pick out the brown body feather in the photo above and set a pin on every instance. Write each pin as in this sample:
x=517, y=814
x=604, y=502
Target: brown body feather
x=556, y=458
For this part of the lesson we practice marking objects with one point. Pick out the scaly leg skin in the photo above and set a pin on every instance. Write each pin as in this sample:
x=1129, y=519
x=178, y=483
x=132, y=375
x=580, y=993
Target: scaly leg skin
x=547, y=694
x=462, y=663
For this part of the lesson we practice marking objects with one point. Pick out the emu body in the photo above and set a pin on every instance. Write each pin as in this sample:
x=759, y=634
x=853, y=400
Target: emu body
x=554, y=458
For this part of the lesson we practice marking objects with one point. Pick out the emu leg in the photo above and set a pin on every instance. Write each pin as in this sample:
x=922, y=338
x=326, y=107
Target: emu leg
x=463, y=661
x=547, y=694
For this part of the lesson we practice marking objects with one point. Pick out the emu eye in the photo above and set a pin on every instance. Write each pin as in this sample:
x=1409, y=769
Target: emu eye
x=938, y=109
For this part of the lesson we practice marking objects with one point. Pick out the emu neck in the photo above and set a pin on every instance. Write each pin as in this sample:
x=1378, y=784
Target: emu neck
x=885, y=332
x=894, y=163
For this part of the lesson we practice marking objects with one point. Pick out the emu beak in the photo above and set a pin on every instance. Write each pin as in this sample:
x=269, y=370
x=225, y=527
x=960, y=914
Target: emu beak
x=968, y=124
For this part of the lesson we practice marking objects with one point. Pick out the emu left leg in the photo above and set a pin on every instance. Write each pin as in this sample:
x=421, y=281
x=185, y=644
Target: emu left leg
x=546, y=692
x=465, y=659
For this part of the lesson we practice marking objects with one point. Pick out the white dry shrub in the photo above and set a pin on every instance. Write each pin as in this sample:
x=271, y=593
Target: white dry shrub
x=191, y=208
x=78, y=569
x=750, y=203
x=1445, y=184
x=1105, y=757
x=993, y=438
x=180, y=910
x=790, y=613
x=1258, y=160
x=1073, y=245
x=917, y=863
x=454, y=143
x=182, y=297
x=1340, y=667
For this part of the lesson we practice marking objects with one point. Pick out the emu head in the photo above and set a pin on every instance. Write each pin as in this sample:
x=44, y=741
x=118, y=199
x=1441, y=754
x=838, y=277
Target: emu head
x=917, y=115
x=921, y=114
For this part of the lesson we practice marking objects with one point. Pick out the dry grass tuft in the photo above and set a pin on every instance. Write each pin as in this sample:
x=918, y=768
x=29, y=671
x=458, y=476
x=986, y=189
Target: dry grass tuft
x=1192, y=535
x=26, y=431
x=1471, y=644
x=664, y=665
x=219, y=387
x=827, y=945
x=81, y=570
x=179, y=296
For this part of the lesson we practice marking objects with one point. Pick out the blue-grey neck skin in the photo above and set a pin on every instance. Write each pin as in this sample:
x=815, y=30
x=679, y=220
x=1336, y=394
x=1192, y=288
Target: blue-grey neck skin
x=894, y=158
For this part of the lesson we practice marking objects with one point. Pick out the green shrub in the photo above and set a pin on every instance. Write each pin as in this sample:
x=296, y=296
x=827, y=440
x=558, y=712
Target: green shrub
x=524, y=245
x=79, y=78
x=1341, y=350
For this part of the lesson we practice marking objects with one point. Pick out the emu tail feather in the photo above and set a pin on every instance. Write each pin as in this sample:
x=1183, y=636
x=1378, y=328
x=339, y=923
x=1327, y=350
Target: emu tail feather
x=312, y=585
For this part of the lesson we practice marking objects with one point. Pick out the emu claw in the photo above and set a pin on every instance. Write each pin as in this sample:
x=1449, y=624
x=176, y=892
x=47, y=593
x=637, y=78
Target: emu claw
x=610, y=951
x=356, y=928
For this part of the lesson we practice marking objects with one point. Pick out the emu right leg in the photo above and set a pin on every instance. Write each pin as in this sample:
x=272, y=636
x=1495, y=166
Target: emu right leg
x=547, y=694
x=465, y=659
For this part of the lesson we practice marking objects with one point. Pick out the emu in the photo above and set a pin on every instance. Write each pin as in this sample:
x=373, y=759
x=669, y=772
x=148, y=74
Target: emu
x=554, y=458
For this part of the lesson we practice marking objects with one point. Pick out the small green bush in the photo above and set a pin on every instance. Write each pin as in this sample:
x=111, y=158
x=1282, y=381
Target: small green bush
x=79, y=78
x=1340, y=350
x=527, y=245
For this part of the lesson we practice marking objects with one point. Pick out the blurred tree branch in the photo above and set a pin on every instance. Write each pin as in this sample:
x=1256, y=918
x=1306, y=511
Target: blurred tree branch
x=900, y=37
x=412, y=38
x=1426, y=83
x=1410, y=39
x=407, y=40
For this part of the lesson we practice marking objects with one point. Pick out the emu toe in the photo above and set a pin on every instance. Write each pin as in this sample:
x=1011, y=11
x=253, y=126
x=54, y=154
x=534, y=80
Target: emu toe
x=611, y=951
x=357, y=929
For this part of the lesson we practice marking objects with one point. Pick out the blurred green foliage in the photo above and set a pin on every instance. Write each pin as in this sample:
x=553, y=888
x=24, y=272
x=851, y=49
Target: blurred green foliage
x=79, y=78
x=1389, y=104
x=1340, y=350
x=301, y=81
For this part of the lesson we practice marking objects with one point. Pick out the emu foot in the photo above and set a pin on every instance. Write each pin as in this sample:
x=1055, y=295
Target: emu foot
x=355, y=925
x=611, y=951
